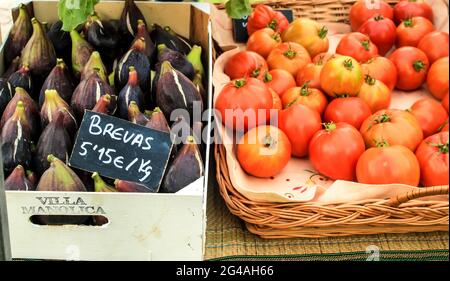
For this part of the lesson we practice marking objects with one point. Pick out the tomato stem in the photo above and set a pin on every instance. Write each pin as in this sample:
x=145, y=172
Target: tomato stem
x=442, y=147
x=366, y=45
x=276, y=37
x=348, y=63
x=369, y=80
x=380, y=144
x=255, y=73
x=418, y=65
x=343, y=96
x=239, y=83
x=267, y=77
x=378, y=17
x=304, y=90
x=323, y=32
x=329, y=127
x=408, y=22
x=268, y=141
x=383, y=118
x=290, y=53
x=273, y=24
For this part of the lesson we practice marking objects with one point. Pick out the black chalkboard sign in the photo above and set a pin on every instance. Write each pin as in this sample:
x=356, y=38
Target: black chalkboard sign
x=118, y=149
x=240, y=26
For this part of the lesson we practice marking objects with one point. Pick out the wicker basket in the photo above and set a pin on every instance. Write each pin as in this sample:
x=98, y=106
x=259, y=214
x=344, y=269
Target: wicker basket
x=401, y=214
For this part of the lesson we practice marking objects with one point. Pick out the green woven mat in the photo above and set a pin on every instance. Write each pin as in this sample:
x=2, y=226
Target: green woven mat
x=228, y=239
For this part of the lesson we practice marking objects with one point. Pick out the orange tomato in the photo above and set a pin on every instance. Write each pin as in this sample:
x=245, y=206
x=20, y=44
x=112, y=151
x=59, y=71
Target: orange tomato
x=279, y=80
x=289, y=56
x=263, y=41
x=437, y=78
x=375, y=94
x=313, y=98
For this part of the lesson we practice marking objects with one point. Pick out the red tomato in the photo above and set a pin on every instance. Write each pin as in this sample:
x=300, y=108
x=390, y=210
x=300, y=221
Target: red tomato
x=405, y=9
x=375, y=93
x=430, y=114
x=357, y=46
x=445, y=128
x=351, y=110
x=445, y=102
x=263, y=41
x=300, y=123
x=240, y=101
x=437, y=79
x=322, y=58
x=279, y=80
x=411, y=31
x=264, y=151
x=388, y=165
x=393, y=126
x=381, y=31
x=335, y=150
x=277, y=104
x=412, y=67
x=310, y=74
x=245, y=64
x=313, y=98
x=432, y=154
x=363, y=10
x=288, y=56
x=381, y=69
x=434, y=45
x=264, y=16
x=341, y=75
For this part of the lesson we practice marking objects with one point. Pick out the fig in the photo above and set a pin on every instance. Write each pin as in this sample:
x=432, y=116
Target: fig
x=175, y=91
x=94, y=62
x=177, y=60
x=18, y=180
x=38, y=54
x=31, y=111
x=158, y=121
x=131, y=92
x=195, y=57
x=59, y=177
x=18, y=36
x=88, y=93
x=166, y=36
x=103, y=105
x=134, y=57
x=143, y=33
x=129, y=186
x=52, y=107
x=81, y=52
x=198, y=83
x=186, y=168
x=22, y=78
x=5, y=94
x=61, y=41
x=100, y=185
x=32, y=177
x=16, y=141
x=60, y=80
x=129, y=20
x=135, y=115
x=53, y=140
x=13, y=67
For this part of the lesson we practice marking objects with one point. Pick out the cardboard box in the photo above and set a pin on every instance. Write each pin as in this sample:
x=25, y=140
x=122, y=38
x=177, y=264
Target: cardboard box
x=141, y=226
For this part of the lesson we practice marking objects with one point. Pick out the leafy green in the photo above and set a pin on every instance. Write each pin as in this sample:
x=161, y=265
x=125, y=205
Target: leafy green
x=74, y=12
x=238, y=9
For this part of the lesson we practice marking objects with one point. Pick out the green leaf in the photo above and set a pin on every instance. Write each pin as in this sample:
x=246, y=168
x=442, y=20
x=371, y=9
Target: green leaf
x=74, y=12
x=238, y=9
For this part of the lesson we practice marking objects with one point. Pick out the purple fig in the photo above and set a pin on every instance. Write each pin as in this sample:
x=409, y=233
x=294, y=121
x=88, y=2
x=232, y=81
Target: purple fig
x=143, y=33
x=129, y=19
x=19, y=35
x=13, y=67
x=131, y=92
x=53, y=106
x=129, y=186
x=60, y=80
x=176, y=59
x=103, y=105
x=17, y=180
x=22, y=78
x=5, y=94
x=93, y=64
x=81, y=52
x=61, y=41
x=135, y=115
x=158, y=121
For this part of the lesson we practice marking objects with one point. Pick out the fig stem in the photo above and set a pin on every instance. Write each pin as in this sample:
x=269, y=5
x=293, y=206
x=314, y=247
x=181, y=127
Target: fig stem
x=51, y=158
x=161, y=47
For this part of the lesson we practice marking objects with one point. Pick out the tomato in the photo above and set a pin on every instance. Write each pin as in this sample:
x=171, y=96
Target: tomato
x=388, y=165
x=444, y=102
x=245, y=64
x=263, y=41
x=363, y=10
x=264, y=16
x=263, y=151
x=437, y=79
x=279, y=80
x=308, y=33
x=434, y=45
x=432, y=154
x=335, y=150
x=310, y=74
x=381, y=31
x=405, y=9
x=393, y=126
x=357, y=46
x=277, y=104
x=313, y=98
x=411, y=31
x=322, y=58
x=351, y=110
x=445, y=127
x=375, y=93
x=341, y=75
x=382, y=69
x=288, y=56
x=412, y=67
x=430, y=114
x=300, y=123
x=247, y=95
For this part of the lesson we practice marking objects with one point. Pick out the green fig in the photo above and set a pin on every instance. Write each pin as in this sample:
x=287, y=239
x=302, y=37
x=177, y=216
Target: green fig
x=17, y=180
x=94, y=62
x=100, y=185
x=19, y=35
x=195, y=57
x=81, y=52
